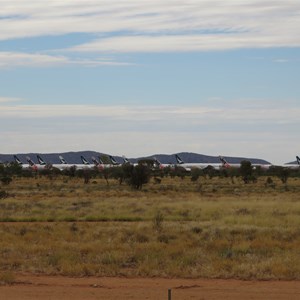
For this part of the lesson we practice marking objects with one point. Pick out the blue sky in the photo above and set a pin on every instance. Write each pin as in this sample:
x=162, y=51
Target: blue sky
x=144, y=77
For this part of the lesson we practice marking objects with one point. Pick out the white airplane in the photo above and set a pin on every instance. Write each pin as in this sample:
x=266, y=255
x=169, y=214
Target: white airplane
x=113, y=161
x=99, y=164
x=62, y=166
x=126, y=160
x=189, y=166
x=293, y=166
x=62, y=160
x=85, y=164
x=160, y=165
x=225, y=164
x=19, y=162
x=41, y=161
x=32, y=164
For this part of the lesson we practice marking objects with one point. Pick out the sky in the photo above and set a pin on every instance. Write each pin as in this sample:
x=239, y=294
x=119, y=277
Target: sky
x=149, y=77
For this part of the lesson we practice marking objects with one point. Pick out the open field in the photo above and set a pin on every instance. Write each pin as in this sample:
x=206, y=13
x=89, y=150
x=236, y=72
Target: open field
x=214, y=228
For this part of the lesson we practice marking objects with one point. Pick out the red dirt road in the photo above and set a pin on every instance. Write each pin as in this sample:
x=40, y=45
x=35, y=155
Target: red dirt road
x=57, y=287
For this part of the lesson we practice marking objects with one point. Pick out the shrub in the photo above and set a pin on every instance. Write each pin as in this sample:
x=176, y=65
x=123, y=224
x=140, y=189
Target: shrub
x=270, y=183
x=139, y=175
x=6, y=180
x=158, y=221
x=3, y=194
x=7, y=278
x=246, y=171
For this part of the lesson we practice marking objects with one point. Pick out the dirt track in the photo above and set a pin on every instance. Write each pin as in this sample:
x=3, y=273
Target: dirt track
x=57, y=287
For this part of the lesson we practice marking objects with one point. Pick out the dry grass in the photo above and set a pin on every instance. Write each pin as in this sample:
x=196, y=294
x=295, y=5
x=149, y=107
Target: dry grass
x=213, y=229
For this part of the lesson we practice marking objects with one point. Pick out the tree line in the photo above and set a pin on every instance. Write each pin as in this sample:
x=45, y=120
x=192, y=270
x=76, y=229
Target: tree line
x=138, y=175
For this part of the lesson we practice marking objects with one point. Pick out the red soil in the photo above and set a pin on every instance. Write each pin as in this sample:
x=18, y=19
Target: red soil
x=57, y=287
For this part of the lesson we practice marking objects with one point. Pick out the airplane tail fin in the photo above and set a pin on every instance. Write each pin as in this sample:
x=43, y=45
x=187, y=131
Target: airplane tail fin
x=30, y=161
x=178, y=159
x=298, y=160
x=126, y=161
x=225, y=164
x=100, y=161
x=84, y=160
x=62, y=160
x=94, y=160
x=17, y=160
x=41, y=161
x=113, y=161
x=157, y=163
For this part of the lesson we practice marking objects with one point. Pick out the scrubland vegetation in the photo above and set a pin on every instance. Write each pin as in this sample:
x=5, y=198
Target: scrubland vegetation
x=211, y=226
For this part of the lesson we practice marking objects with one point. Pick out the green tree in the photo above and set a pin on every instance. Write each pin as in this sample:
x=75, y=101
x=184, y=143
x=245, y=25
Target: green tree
x=210, y=171
x=246, y=170
x=139, y=176
x=280, y=172
x=105, y=159
x=6, y=180
x=284, y=174
x=196, y=173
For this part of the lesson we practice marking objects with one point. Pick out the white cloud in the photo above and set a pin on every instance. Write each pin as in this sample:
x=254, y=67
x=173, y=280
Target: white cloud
x=18, y=59
x=189, y=25
x=186, y=43
x=9, y=99
x=145, y=26
x=9, y=59
x=281, y=60
x=200, y=114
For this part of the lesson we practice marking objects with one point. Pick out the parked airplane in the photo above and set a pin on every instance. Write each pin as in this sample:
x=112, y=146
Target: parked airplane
x=63, y=165
x=62, y=160
x=32, y=164
x=126, y=160
x=189, y=166
x=19, y=162
x=43, y=164
x=225, y=164
x=41, y=161
x=85, y=164
x=113, y=161
x=99, y=163
x=293, y=166
x=160, y=165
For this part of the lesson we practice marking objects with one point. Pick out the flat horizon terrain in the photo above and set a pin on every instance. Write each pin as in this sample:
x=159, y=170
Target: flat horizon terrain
x=211, y=233
x=212, y=228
